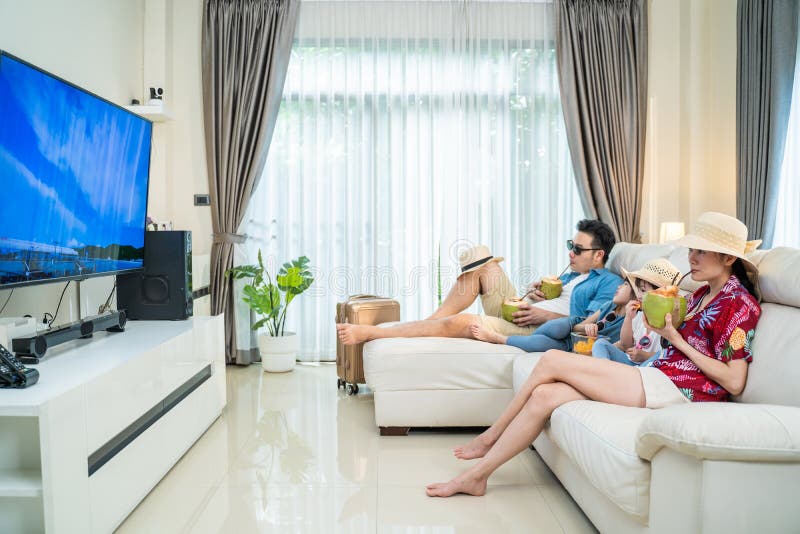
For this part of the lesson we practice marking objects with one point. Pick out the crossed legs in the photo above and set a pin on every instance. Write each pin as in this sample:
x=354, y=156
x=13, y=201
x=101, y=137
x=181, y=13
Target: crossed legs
x=558, y=378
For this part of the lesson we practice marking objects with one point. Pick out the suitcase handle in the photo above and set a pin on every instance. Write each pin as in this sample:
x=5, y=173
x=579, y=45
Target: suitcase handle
x=362, y=296
x=359, y=296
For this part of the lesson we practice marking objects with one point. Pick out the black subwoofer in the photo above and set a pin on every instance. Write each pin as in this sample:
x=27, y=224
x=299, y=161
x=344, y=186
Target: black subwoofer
x=164, y=290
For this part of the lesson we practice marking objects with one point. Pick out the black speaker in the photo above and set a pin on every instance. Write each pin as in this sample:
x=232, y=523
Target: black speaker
x=164, y=290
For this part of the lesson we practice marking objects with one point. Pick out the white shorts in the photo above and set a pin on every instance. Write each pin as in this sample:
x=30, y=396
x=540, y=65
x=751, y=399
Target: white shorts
x=659, y=390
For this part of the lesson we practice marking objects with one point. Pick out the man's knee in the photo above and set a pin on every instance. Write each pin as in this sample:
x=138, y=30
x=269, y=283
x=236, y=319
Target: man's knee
x=489, y=277
x=460, y=323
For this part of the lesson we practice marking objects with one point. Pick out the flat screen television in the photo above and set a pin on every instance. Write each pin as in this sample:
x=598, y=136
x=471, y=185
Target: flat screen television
x=74, y=173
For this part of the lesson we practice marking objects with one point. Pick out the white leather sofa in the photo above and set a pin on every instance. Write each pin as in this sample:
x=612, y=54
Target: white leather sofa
x=722, y=467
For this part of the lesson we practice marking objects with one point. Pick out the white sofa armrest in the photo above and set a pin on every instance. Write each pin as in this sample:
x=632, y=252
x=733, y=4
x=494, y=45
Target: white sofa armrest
x=723, y=431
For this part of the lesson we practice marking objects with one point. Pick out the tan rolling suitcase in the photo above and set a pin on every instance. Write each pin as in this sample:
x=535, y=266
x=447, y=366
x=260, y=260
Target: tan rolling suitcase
x=359, y=309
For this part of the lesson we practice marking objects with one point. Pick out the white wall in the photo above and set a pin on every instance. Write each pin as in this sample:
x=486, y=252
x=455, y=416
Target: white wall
x=95, y=44
x=172, y=60
x=690, y=161
x=188, y=165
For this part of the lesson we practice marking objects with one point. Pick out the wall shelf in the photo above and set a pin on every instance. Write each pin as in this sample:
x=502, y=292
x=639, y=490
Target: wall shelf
x=154, y=113
x=20, y=483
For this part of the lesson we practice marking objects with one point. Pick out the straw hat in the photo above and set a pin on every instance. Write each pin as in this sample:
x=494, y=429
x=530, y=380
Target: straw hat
x=717, y=232
x=659, y=272
x=473, y=258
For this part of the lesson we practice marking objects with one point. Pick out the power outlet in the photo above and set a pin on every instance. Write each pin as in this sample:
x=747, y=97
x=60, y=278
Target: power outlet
x=202, y=200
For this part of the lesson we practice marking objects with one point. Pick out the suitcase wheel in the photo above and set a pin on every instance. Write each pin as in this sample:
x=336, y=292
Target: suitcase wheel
x=340, y=383
x=352, y=389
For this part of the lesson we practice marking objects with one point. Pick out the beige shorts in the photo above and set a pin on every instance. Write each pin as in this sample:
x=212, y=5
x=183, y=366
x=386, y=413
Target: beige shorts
x=504, y=328
x=659, y=390
x=492, y=302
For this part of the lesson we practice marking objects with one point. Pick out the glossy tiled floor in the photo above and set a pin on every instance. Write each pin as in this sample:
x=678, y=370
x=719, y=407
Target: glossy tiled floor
x=292, y=454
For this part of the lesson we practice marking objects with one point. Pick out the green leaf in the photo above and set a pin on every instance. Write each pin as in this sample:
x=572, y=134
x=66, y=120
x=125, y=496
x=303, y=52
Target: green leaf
x=243, y=271
x=264, y=297
x=294, y=278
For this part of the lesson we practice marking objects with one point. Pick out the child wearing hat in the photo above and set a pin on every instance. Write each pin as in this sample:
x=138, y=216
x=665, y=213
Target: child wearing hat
x=637, y=345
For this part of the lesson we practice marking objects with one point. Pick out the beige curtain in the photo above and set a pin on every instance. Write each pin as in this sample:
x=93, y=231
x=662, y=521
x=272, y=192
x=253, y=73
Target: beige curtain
x=601, y=48
x=246, y=46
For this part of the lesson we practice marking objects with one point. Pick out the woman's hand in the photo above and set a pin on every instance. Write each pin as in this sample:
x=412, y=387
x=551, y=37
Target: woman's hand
x=590, y=329
x=631, y=308
x=668, y=332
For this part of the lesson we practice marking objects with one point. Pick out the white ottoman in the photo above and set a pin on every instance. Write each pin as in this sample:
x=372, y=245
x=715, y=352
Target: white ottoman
x=437, y=382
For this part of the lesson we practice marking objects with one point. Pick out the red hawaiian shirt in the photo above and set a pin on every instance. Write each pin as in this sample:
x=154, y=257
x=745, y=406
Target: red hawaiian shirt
x=723, y=330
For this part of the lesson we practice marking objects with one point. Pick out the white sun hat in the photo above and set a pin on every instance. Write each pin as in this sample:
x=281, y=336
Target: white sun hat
x=475, y=257
x=717, y=232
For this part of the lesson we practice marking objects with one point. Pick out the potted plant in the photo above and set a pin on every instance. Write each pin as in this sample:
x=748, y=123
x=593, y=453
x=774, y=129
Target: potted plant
x=270, y=301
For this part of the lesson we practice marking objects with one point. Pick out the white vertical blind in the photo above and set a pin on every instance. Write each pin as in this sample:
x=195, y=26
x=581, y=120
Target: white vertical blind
x=787, y=223
x=406, y=126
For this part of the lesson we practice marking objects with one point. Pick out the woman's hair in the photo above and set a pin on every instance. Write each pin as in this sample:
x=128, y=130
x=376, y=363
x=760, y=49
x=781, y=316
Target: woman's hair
x=741, y=274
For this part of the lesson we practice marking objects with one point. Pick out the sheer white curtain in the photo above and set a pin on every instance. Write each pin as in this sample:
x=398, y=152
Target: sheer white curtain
x=408, y=131
x=787, y=224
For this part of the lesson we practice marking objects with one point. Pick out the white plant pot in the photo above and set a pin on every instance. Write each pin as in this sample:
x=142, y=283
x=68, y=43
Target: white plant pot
x=278, y=354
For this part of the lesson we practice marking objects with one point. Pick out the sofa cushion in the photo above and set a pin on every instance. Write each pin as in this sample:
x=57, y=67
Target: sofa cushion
x=402, y=364
x=779, y=275
x=724, y=431
x=523, y=365
x=633, y=256
x=773, y=376
x=600, y=439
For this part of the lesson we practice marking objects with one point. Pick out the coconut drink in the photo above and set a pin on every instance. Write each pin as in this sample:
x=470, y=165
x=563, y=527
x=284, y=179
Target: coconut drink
x=551, y=287
x=659, y=302
x=509, y=307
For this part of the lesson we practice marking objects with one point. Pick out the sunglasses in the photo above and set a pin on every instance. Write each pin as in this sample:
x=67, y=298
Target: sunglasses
x=607, y=319
x=577, y=249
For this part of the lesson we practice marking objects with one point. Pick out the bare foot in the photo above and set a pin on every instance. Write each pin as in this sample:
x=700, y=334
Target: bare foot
x=476, y=448
x=353, y=334
x=461, y=484
x=484, y=334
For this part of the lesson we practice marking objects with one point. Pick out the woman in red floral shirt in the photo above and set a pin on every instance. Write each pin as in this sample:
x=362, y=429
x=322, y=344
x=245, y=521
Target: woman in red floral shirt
x=706, y=361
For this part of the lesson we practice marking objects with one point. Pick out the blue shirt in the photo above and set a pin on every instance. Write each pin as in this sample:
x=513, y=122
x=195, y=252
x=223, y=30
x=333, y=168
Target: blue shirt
x=587, y=297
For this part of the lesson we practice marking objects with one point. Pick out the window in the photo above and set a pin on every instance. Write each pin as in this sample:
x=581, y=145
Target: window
x=787, y=223
x=407, y=132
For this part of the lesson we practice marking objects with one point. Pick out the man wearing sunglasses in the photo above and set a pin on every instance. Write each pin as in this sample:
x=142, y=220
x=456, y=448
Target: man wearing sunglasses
x=586, y=286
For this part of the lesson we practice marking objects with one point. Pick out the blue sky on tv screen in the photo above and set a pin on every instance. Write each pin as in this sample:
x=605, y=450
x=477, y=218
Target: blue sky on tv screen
x=74, y=168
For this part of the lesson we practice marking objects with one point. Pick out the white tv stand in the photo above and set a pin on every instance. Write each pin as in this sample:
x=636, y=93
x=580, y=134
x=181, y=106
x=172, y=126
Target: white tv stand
x=106, y=421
